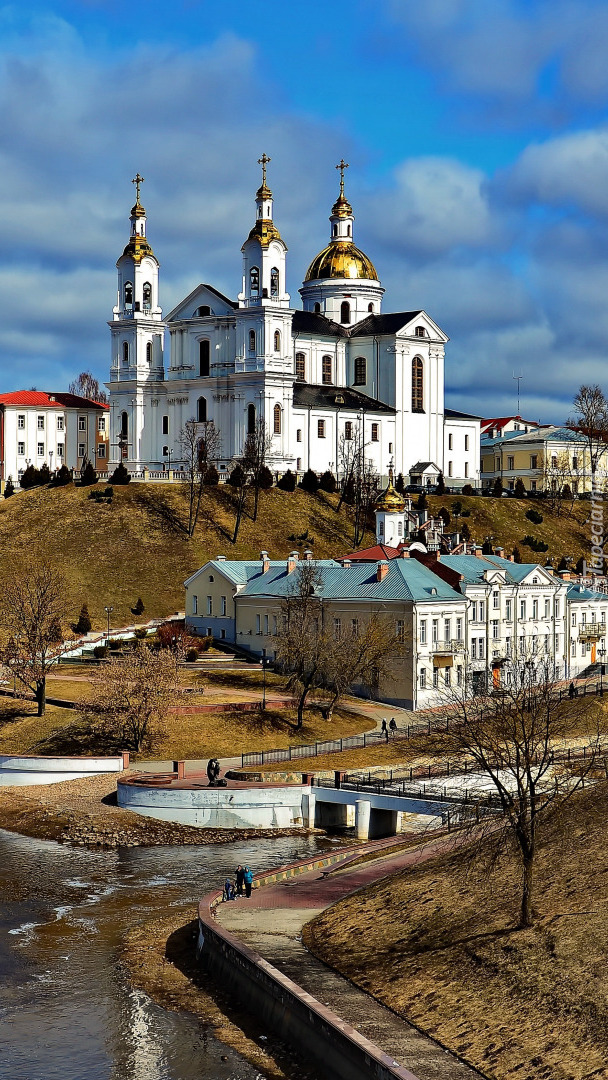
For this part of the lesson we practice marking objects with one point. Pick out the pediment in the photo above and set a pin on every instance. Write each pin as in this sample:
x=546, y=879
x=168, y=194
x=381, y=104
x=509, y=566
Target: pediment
x=204, y=296
x=539, y=576
x=408, y=330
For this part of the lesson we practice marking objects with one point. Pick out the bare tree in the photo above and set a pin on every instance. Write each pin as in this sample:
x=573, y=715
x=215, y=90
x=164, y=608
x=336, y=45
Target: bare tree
x=557, y=479
x=200, y=447
x=515, y=740
x=253, y=459
x=359, y=479
x=131, y=696
x=360, y=658
x=590, y=420
x=33, y=608
x=87, y=386
x=238, y=481
x=303, y=644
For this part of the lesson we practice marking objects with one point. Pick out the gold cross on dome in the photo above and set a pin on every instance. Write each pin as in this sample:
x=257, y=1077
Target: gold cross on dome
x=342, y=166
x=263, y=161
x=137, y=181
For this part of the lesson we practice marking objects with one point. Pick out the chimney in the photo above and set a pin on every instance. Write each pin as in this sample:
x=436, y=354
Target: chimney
x=292, y=561
x=511, y=557
x=565, y=575
x=478, y=552
x=308, y=555
x=404, y=553
x=265, y=561
x=346, y=564
x=381, y=570
x=220, y=558
x=500, y=551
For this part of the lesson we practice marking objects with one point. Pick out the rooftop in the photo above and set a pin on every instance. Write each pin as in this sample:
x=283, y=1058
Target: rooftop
x=42, y=399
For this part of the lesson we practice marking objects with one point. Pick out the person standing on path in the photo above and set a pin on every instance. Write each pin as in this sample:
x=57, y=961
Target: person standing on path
x=240, y=880
x=383, y=727
x=393, y=725
x=248, y=879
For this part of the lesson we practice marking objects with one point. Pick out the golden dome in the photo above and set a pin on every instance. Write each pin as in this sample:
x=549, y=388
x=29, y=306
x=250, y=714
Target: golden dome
x=341, y=259
x=138, y=248
x=390, y=500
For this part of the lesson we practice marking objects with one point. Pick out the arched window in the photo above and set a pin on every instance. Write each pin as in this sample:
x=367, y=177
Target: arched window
x=252, y=341
x=326, y=370
x=345, y=312
x=147, y=295
x=251, y=419
x=335, y=232
x=274, y=282
x=201, y=410
x=300, y=367
x=203, y=356
x=360, y=371
x=370, y=307
x=123, y=436
x=128, y=294
x=125, y=352
x=202, y=312
x=417, y=385
x=317, y=309
x=348, y=229
x=277, y=341
x=277, y=419
x=149, y=352
x=254, y=281
x=420, y=331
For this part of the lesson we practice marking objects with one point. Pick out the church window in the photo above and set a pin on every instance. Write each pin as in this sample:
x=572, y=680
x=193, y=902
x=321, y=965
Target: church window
x=317, y=309
x=251, y=419
x=375, y=432
x=277, y=419
x=335, y=230
x=348, y=230
x=345, y=312
x=299, y=435
x=274, y=282
x=123, y=438
x=149, y=352
x=420, y=331
x=450, y=442
x=165, y=425
x=298, y=464
x=449, y=468
x=147, y=295
x=390, y=447
x=370, y=307
x=360, y=371
x=348, y=430
x=204, y=358
x=300, y=367
x=321, y=429
x=466, y=442
x=128, y=294
x=417, y=385
x=125, y=352
x=21, y=420
x=202, y=312
x=254, y=281
x=466, y=469
x=381, y=528
x=399, y=528
x=326, y=370
x=165, y=452
x=277, y=341
x=201, y=410
x=252, y=341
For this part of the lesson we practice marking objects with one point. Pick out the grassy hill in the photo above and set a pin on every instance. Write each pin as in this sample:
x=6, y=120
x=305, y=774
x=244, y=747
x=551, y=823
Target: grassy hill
x=114, y=553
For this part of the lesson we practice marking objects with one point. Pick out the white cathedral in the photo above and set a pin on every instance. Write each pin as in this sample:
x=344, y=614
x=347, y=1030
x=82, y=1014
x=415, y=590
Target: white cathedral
x=336, y=370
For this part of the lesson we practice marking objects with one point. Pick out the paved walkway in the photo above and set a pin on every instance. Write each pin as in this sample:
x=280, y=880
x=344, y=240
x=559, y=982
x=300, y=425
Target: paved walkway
x=271, y=922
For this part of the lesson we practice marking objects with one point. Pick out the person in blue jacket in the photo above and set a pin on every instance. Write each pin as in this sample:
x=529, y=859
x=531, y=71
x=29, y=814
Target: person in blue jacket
x=248, y=879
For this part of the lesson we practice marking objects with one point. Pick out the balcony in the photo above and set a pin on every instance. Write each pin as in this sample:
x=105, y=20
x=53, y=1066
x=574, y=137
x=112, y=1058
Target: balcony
x=591, y=631
x=447, y=648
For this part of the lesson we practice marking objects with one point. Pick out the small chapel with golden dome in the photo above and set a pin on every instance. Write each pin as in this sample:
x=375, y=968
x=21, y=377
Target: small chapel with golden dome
x=330, y=379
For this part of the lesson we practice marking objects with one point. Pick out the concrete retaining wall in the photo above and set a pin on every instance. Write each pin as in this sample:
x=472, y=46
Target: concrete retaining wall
x=19, y=771
x=295, y=1016
x=217, y=808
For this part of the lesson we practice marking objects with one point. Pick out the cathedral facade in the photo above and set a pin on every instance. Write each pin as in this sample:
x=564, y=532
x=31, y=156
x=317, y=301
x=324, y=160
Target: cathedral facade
x=335, y=374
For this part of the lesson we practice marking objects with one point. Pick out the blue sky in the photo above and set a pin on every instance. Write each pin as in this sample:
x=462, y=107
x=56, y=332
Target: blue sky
x=478, y=146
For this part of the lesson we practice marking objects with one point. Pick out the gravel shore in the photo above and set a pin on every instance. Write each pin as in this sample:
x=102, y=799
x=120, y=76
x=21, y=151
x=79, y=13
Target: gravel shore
x=84, y=813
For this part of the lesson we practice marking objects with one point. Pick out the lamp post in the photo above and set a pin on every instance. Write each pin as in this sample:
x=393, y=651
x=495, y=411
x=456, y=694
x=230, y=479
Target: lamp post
x=263, y=680
x=601, y=653
x=108, y=610
x=168, y=453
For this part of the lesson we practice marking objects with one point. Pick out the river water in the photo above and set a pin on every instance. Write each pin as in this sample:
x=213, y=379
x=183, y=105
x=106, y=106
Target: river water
x=67, y=1011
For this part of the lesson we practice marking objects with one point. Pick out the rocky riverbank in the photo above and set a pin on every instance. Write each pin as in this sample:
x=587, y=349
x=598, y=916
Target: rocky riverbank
x=84, y=813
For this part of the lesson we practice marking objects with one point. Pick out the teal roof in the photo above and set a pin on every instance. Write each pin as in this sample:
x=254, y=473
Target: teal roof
x=578, y=593
x=473, y=568
x=406, y=579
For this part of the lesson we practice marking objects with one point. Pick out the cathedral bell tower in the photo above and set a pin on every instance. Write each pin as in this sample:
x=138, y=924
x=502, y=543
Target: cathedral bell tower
x=137, y=333
x=264, y=255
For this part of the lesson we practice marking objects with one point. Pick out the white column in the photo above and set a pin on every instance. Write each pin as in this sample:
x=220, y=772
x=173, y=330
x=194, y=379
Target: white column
x=308, y=810
x=362, y=816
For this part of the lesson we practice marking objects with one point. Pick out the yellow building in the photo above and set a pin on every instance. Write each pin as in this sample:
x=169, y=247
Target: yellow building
x=546, y=459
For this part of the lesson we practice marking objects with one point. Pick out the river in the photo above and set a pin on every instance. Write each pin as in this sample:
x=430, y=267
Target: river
x=67, y=1010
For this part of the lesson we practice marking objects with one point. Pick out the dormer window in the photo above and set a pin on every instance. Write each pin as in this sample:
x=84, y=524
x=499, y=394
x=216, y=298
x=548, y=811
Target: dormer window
x=420, y=331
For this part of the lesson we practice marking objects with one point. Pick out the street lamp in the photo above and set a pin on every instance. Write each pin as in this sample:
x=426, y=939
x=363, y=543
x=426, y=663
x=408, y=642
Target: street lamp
x=263, y=680
x=168, y=454
x=108, y=610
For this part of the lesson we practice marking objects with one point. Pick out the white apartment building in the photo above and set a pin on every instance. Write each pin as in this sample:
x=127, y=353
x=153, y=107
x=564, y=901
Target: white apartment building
x=38, y=428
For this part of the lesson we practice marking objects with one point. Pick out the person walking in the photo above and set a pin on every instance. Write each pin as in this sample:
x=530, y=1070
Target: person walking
x=248, y=879
x=384, y=729
x=240, y=880
x=393, y=725
x=571, y=691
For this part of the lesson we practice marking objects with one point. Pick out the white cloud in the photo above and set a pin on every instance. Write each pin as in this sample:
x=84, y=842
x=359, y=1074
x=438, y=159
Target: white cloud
x=563, y=171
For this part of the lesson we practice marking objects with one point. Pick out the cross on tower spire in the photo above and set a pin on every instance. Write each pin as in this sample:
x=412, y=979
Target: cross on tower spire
x=342, y=166
x=263, y=161
x=137, y=180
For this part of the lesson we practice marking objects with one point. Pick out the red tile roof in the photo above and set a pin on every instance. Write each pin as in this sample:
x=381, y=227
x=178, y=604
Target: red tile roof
x=40, y=399
x=500, y=421
x=377, y=553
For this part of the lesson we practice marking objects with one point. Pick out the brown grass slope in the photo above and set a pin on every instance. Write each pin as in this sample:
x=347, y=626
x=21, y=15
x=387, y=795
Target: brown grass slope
x=437, y=943
x=114, y=553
